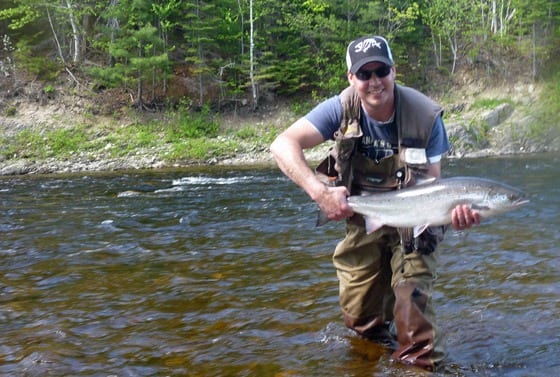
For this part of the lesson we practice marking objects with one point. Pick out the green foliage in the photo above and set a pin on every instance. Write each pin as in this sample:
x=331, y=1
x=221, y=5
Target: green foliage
x=298, y=52
x=137, y=47
x=488, y=103
x=43, y=67
x=192, y=124
x=258, y=135
x=546, y=127
x=246, y=133
x=301, y=108
x=25, y=144
x=551, y=96
x=478, y=132
x=63, y=142
x=128, y=139
x=202, y=149
x=298, y=45
x=48, y=89
x=10, y=111
x=135, y=56
x=32, y=144
x=268, y=135
x=22, y=14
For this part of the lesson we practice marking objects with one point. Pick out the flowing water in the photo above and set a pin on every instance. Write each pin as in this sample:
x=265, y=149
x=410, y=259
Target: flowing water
x=221, y=272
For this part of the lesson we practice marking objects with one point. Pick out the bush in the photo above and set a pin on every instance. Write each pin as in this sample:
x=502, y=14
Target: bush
x=193, y=124
x=44, y=68
x=66, y=141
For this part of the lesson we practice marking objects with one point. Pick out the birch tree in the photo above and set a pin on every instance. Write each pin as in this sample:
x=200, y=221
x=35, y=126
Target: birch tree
x=449, y=22
x=63, y=18
x=501, y=15
x=252, y=56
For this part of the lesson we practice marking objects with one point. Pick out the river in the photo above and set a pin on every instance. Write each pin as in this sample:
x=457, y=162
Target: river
x=220, y=272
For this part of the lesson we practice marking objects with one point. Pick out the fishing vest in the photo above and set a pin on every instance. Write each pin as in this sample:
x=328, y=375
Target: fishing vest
x=415, y=115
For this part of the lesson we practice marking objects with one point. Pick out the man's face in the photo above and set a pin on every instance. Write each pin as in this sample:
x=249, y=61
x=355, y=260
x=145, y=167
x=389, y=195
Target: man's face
x=376, y=93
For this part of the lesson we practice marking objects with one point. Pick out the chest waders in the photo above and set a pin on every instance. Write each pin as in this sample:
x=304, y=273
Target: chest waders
x=386, y=277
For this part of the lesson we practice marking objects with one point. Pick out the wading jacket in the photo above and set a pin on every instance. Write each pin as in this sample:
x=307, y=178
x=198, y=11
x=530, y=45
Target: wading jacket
x=415, y=116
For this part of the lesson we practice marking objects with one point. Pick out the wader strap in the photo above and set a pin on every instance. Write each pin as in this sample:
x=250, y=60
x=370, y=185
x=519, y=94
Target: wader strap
x=346, y=139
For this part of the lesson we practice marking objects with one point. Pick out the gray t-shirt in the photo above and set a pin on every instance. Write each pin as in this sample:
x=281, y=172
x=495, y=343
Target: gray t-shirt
x=380, y=139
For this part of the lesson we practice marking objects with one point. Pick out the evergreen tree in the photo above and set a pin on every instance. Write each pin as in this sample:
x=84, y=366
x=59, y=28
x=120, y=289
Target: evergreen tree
x=137, y=50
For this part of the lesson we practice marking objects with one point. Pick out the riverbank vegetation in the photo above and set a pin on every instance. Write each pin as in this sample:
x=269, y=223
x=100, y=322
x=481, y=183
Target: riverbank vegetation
x=195, y=81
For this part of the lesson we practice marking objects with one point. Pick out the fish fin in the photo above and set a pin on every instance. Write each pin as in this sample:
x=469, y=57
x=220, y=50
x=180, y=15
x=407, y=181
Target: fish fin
x=322, y=218
x=423, y=178
x=371, y=224
x=478, y=207
x=419, y=229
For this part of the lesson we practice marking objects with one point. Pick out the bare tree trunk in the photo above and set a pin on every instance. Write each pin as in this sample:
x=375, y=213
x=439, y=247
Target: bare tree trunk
x=454, y=51
x=440, y=50
x=58, y=47
x=500, y=18
x=242, y=22
x=113, y=25
x=483, y=23
x=164, y=37
x=350, y=13
x=199, y=47
x=436, y=55
x=139, y=94
x=88, y=25
x=75, y=34
x=222, y=92
x=252, y=56
x=494, y=18
x=534, y=52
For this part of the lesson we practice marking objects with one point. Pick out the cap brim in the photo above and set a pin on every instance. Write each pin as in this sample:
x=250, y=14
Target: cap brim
x=370, y=59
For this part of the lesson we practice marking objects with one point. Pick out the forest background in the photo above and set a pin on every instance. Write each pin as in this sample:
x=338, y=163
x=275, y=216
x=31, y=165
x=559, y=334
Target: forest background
x=203, y=81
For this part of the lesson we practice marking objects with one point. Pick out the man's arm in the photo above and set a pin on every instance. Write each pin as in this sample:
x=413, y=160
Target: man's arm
x=288, y=148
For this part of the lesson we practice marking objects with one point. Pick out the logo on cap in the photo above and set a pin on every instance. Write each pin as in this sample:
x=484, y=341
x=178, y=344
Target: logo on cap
x=366, y=44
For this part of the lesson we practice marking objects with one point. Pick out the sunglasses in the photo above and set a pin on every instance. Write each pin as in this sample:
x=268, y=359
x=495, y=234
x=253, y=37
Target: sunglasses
x=380, y=72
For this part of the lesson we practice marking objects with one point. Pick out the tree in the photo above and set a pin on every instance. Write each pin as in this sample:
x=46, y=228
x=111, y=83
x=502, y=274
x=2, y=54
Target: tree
x=449, y=21
x=252, y=55
x=138, y=53
x=199, y=33
x=501, y=14
x=535, y=22
x=232, y=49
x=166, y=13
x=63, y=19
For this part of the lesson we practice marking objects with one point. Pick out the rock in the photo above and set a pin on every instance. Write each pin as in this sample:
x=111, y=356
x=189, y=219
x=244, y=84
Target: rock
x=17, y=168
x=497, y=115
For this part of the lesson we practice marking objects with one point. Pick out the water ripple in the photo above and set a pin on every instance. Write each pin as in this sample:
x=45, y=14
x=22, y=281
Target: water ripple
x=222, y=272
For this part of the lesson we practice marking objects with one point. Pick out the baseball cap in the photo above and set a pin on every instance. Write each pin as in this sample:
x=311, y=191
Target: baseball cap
x=366, y=50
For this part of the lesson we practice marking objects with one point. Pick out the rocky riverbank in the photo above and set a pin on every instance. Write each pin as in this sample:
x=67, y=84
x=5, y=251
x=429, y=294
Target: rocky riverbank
x=505, y=128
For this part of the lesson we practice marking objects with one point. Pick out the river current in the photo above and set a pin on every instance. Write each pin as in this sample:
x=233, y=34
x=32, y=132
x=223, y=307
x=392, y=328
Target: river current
x=221, y=272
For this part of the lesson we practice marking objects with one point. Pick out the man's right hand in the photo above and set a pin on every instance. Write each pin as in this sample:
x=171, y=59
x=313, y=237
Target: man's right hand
x=333, y=202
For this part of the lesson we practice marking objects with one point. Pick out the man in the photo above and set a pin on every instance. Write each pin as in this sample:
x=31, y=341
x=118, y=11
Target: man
x=386, y=135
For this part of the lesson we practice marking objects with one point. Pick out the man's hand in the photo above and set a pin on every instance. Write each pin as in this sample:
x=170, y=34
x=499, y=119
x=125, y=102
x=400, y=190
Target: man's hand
x=334, y=204
x=463, y=217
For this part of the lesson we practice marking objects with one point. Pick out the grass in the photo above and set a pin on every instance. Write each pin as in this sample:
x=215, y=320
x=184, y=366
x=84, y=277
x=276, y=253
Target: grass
x=179, y=137
x=547, y=126
x=489, y=103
